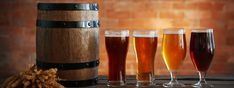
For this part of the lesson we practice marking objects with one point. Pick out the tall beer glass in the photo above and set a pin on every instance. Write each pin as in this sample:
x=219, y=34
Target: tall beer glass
x=116, y=47
x=145, y=46
x=174, y=52
x=202, y=48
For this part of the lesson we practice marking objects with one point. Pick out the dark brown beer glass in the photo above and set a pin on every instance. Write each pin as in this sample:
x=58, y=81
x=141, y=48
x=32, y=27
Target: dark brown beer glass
x=116, y=47
x=202, y=49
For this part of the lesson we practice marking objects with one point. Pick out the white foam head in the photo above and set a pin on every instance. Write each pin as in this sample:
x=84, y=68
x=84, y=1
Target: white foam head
x=174, y=31
x=145, y=33
x=202, y=30
x=116, y=33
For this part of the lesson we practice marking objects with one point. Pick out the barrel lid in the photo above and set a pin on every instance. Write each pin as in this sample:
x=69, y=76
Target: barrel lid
x=67, y=6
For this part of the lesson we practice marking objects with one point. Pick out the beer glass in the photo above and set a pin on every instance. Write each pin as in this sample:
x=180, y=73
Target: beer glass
x=202, y=50
x=116, y=46
x=174, y=52
x=145, y=46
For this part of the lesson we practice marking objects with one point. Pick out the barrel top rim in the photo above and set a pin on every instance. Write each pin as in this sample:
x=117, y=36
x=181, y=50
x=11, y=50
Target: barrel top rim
x=67, y=6
x=66, y=3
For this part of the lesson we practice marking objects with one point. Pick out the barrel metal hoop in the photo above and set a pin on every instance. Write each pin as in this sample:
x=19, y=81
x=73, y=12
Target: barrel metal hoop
x=79, y=83
x=67, y=6
x=66, y=66
x=67, y=24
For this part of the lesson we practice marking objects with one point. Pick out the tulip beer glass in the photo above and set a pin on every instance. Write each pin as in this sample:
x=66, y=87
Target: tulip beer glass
x=174, y=52
x=202, y=49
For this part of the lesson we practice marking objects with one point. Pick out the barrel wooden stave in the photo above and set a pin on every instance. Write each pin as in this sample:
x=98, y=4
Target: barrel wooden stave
x=68, y=15
x=67, y=45
x=79, y=74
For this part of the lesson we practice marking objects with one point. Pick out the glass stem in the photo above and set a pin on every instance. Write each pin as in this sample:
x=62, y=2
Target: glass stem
x=202, y=76
x=173, y=77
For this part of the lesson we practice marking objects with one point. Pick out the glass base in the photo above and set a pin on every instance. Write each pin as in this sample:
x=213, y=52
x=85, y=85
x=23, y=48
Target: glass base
x=173, y=84
x=144, y=84
x=116, y=83
x=202, y=85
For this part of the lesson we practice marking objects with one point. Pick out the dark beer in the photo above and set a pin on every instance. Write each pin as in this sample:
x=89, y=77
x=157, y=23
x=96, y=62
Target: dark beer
x=202, y=49
x=116, y=47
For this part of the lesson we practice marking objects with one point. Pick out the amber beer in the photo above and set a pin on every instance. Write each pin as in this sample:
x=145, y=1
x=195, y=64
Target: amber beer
x=145, y=46
x=174, y=50
x=117, y=47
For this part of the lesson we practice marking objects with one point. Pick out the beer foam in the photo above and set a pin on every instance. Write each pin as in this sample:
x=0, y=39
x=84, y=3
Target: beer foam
x=202, y=30
x=174, y=32
x=148, y=33
x=116, y=35
x=138, y=35
x=123, y=33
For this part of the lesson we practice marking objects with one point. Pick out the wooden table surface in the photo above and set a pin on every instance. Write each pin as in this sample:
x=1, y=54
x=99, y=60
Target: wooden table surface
x=217, y=82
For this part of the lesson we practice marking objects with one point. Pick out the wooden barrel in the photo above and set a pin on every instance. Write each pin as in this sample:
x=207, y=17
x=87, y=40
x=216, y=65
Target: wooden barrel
x=67, y=38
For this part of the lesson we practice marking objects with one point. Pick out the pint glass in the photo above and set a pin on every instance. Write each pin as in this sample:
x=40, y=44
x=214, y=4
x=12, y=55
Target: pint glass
x=116, y=46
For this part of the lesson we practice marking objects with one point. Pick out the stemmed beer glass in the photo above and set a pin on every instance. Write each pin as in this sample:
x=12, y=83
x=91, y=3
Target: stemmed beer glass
x=202, y=49
x=174, y=52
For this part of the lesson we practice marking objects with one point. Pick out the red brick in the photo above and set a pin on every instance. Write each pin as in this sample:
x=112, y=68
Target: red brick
x=208, y=5
x=213, y=24
x=118, y=14
x=218, y=6
x=230, y=25
x=230, y=15
x=108, y=23
x=190, y=6
x=229, y=7
x=171, y=15
x=230, y=37
x=179, y=5
x=164, y=6
x=180, y=23
x=144, y=14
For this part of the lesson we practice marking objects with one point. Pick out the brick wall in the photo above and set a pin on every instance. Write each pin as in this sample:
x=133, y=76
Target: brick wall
x=17, y=35
x=160, y=14
x=17, y=30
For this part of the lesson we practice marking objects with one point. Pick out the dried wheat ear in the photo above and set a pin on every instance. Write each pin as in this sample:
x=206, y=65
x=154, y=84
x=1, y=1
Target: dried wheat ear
x=33, y=78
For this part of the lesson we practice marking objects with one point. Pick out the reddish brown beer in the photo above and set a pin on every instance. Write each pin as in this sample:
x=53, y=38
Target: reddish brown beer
x=145, y=46
x=145, y=49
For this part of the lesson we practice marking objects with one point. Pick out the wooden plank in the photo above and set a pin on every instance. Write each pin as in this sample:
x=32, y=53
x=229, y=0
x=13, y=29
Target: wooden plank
x=217, y=81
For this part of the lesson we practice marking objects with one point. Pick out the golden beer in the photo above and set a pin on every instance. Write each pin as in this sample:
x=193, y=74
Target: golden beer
x=173, y=50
